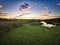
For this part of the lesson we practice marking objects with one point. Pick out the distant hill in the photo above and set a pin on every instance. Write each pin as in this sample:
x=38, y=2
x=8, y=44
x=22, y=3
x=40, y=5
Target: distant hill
x=51, y=21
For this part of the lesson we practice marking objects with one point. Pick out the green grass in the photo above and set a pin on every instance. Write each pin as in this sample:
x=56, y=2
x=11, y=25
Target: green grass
x=32, y=35
x=28, y=32
x=7, y=26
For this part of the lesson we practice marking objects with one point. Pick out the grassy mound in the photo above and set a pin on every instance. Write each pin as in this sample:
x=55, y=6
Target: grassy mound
x=8, y=26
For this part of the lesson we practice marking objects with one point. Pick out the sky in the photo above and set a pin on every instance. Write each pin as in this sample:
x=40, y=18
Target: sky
x=12, y=6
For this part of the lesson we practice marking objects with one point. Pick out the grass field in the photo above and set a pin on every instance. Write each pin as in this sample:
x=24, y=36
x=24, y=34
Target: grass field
x=32, y=35
x=28, y=33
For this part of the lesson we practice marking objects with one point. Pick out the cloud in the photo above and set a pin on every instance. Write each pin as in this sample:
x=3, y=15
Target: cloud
x=58, y=4
x=1, y=6
x=5, y=15
x=25, y=6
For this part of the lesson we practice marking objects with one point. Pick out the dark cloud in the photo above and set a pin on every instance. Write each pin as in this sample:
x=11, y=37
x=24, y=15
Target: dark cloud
x=25, y=6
